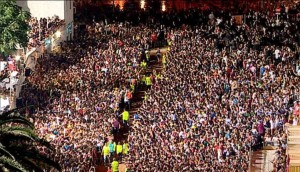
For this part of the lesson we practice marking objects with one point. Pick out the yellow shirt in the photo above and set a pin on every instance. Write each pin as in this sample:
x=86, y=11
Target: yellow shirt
x=158, y=76
x=146, y=97
x=144, y=78
x=105, y=150
x=148, y=81
x=125, y=115
x=119, y=149
x=164, y=59
x=115, y=166
x=144, y=64
x=125, y=148
x=132, y=87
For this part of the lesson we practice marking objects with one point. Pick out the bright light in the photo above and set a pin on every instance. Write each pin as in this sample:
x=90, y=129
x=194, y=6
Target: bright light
x=143, y=4
x=58, y=34
x=163, y=6
x=121, y=3
x=18, y=57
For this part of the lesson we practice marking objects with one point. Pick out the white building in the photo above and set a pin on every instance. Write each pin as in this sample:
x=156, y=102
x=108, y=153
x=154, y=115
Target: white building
x=43, y=9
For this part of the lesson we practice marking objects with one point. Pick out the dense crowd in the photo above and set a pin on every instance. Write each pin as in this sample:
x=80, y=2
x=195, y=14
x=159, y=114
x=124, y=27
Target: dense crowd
x=8, y=75
x=225, y=88
x=80, y=92
x=41, y=29
x=220, y=95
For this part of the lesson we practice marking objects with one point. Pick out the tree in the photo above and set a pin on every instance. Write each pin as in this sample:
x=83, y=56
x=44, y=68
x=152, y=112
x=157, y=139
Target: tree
x=14, y=26
x=19, y=145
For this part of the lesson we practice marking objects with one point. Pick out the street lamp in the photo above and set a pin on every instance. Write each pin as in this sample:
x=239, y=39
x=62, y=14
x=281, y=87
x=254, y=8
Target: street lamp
x=143, y=4
x=58, y=34
x=163, y=6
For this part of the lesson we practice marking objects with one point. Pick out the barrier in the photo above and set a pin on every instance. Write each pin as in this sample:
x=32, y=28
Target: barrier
x=293, y=148
x=250, y=159
x=294, y=168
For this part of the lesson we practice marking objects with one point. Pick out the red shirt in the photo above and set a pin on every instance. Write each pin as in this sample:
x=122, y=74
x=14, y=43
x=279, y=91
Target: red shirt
x=129, y=95
x=154, y=37
x=121, y=43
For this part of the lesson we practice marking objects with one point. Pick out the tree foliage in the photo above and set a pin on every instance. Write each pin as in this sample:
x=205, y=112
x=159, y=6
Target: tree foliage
x=14, y=26
x=19, y=145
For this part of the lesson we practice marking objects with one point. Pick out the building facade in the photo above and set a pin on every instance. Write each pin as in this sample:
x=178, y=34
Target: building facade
x=64, y=9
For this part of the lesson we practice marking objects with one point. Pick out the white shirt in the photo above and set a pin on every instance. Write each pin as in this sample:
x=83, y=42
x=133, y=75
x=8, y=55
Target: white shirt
x=272, y=124
x=228, y=121
x=277, y=52
x=295, y=121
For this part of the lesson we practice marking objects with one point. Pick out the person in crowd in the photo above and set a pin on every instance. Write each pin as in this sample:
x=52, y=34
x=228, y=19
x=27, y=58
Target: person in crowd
x=125, y=117
x=106, y=152
x=112, y=148
x=120, y=151
x=115, y=165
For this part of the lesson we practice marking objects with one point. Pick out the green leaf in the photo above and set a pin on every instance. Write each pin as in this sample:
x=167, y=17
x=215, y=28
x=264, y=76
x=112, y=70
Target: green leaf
x=30, y=164
x=16, y=119
x=13, y=26
x=36, y=158
x=4, y=151
x=11, y=164
x=30, y=131
x=12, y=112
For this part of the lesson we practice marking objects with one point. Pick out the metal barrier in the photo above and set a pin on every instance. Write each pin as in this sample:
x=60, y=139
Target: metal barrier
x=294, y=169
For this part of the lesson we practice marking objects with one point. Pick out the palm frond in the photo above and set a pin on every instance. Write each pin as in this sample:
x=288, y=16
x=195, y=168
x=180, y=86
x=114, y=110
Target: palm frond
x=17, y=131
x=11, y=164
x=16, y=119
x=6, y=152
x=27, y=133
x=30, y=164
x=12, y=111
x=36, y=158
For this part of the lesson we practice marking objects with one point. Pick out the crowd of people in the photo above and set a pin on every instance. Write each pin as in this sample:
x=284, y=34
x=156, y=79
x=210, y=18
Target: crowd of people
x=41, y=29
x=225, y=88
x=214, y=105
x=81, y=92
x=9, y=75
